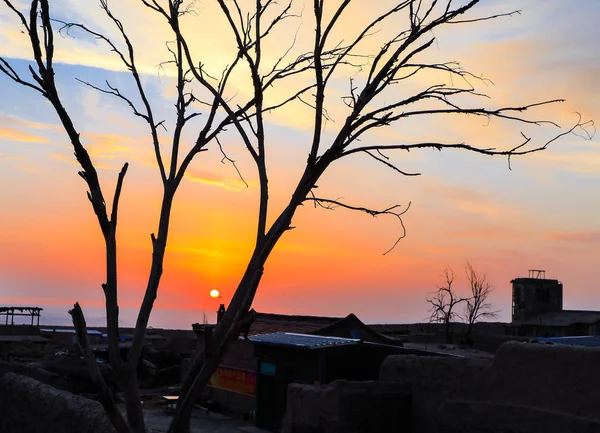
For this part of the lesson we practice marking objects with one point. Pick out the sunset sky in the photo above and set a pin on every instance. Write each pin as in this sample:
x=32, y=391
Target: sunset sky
x=542, y=214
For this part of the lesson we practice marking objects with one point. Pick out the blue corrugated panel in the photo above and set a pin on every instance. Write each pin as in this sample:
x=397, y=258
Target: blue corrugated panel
x=588, y=340
x=70, y=331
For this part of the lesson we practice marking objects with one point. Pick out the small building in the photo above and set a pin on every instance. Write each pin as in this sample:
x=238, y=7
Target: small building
x=535, y=295
x=537, y=310
x=285, y=358
x=233, y=386
x=254, y=372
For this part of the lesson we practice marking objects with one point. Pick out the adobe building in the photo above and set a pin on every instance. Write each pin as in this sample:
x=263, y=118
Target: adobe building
x=535, y=295
x=280, y=349
x=537, y=309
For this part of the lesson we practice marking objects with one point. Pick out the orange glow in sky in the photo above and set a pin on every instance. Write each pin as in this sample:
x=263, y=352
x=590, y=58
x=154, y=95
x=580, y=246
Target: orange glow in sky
x=542, y=214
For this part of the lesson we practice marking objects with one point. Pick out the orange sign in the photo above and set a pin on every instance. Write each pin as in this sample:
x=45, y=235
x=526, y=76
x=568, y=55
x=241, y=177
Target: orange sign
x=234, y=380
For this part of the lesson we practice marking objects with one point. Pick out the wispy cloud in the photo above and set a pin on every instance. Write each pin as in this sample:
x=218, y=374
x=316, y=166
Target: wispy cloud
x=19, y=122
x=454, y=192
x=585, y=163
x=15, y=135
x=5, y=157
x=214, y=179
x=110, y=151
x=70, y=159
x=27, y=168
x=19, y=162
x=467, y=200
x=110, y=145
x=591, y=237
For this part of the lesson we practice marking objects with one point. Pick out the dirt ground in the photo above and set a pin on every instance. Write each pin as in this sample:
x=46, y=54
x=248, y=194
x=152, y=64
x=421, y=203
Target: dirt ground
x=158, y=419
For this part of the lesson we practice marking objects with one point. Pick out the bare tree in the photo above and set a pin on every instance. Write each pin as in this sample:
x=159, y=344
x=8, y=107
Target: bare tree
x=370, y=104
x=443, y=304
x=477, y=306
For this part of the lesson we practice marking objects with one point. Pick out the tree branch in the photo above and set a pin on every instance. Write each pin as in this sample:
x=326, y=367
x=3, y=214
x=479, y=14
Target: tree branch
x=487, y=18
x=228, y=159
x=12, y=74
x=129, y=62
x=115, y=205
x=395, y=211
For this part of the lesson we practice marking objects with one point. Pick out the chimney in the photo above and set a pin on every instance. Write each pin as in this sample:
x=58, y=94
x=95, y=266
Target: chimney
x=220, y=312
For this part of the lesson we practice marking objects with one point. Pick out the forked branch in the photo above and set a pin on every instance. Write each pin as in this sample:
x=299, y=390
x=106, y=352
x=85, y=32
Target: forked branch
x=396, y=211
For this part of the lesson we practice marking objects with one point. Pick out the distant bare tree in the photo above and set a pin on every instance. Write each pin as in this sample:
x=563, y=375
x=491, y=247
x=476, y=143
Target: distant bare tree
x=443, y=303
x=477, y=307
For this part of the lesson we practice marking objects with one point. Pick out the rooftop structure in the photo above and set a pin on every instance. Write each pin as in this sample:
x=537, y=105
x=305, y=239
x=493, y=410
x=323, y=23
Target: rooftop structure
x=11, y=312
x=535, y=295
x=302, y=340
x=267, y=323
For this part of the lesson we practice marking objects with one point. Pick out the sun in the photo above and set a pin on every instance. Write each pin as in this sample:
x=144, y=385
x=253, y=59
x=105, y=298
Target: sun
x=214, y=293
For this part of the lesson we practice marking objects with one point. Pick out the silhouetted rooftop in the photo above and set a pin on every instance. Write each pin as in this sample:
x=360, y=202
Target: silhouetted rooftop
x=268, y=323
x=533, y=280
x=352, y=327
x=562, y=318
x=302, y=340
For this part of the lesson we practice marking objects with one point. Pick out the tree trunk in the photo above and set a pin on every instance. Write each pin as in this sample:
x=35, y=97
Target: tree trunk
x=104, y=392
x=469, y=330
x=135, y=415
x=227, y=329
x=204, y=366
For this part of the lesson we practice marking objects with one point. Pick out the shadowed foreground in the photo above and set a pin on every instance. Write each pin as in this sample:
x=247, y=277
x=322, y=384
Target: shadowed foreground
x=34, y=407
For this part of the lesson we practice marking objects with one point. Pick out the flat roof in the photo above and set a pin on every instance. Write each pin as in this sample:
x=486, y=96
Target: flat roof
x=534, y=280
x=305, y=341
x=4, y=308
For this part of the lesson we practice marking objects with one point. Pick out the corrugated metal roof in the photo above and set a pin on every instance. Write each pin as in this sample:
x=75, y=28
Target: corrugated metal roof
x=301, y=340
x=589, y=341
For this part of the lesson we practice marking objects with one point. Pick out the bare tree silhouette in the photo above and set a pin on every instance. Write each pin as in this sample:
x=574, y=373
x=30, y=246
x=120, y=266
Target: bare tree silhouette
x=443, y=304
x=477, y=305
x=369, y=105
